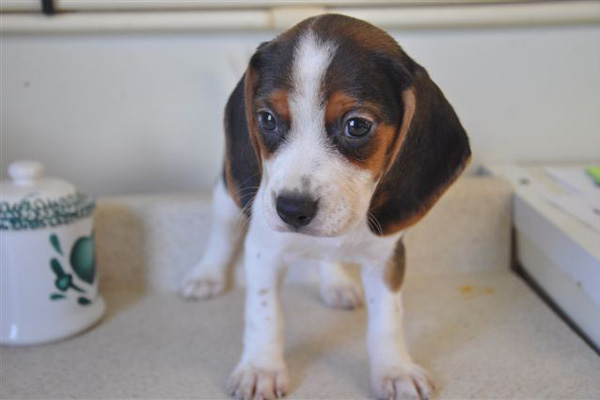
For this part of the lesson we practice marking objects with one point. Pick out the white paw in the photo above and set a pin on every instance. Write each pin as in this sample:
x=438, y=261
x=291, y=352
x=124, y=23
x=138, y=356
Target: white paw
x=249, y=382
x=198, y=285
x=346, y=295
x=408, y=382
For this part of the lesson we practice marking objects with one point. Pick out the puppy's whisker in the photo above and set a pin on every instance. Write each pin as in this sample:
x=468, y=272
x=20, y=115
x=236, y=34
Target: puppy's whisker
x=374, y=222
x=245, y=193
x=253, y=189
x=246, y=190
x=378, y=226
x=251, y=194
x=246, y=220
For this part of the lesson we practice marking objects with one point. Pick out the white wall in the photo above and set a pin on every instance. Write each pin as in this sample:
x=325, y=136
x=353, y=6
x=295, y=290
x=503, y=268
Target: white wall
x=142, y=113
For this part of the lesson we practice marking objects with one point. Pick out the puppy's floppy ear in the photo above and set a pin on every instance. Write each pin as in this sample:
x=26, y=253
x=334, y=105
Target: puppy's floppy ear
x=430, y=152
x=242, y=169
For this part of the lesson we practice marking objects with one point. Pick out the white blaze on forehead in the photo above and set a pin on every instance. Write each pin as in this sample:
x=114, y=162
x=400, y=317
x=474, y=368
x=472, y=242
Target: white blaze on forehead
x=311, y=60
x=342, y=190
x=305, y=145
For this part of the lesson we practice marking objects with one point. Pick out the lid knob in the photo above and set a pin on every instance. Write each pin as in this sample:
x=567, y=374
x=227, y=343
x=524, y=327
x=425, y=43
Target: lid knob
x=25, y=172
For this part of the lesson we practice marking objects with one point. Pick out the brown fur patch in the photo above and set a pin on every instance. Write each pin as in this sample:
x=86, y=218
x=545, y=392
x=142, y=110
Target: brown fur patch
x=251, y=80
x=383, y=139
x=410, y=103
x=338, y=105
x=279, y=102
x=230, y=183
x=376, y=165
x=395, y=268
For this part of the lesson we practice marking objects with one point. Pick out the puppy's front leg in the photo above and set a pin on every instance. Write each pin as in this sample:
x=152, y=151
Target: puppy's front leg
x=207, y=278
x=261, y=372
x=394, y=375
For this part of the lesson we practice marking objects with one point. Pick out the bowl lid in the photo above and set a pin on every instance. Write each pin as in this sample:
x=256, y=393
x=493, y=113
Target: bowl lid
x=31, y=201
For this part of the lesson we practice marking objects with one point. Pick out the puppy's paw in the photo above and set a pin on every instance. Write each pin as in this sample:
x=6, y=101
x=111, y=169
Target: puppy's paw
x=198, y=285
x=347, y=295
x=250, y=382
x=405, y=382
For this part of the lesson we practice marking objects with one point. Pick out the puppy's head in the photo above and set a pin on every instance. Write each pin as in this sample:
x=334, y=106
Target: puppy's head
x=347, y=128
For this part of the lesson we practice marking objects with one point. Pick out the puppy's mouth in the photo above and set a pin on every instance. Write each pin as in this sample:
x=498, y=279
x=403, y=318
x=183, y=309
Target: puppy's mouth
x=303, y=231
x=307, y=230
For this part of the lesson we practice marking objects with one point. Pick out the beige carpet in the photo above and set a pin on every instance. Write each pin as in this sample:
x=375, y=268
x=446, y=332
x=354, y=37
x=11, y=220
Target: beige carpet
x=482, y=336
x=479, y=330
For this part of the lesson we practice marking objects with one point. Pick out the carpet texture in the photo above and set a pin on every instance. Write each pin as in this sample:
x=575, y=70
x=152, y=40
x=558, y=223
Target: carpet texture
x=482, y=336
x=479, y=330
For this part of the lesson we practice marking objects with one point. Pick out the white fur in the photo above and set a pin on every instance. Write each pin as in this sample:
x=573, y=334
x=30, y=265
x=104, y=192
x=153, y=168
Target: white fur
x=208, y=277
x=393, y=373
x=339, y=233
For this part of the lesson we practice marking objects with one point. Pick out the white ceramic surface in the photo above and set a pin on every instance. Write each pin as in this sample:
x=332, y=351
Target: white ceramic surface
x=49, y=286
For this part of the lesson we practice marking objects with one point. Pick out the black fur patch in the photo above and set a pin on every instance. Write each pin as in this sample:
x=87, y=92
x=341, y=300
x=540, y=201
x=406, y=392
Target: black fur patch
x=241, y=172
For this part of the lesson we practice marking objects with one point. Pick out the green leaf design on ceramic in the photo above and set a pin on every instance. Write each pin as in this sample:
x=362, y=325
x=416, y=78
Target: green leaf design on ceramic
x=57, y=268
x=55, y=243
x=83, y=301
x=63, y=280
x=73, y=286
x=83, y=259
x=63, y=283
x=57, y=296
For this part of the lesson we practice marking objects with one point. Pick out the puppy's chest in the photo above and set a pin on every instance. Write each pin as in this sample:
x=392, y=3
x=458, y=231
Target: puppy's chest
x=360, y=246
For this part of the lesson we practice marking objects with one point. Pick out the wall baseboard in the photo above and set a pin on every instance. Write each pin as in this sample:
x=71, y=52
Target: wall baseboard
x=281, y=18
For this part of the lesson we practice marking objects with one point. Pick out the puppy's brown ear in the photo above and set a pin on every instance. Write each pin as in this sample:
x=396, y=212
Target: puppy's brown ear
x=242, y=169
x=430, y=152
x=243, y=157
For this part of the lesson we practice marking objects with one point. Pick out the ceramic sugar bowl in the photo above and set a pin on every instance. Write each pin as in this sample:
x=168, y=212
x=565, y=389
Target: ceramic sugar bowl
x=49, y=286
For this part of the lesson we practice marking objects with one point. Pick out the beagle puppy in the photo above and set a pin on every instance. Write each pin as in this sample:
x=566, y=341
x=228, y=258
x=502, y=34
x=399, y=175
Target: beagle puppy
x=336, y=143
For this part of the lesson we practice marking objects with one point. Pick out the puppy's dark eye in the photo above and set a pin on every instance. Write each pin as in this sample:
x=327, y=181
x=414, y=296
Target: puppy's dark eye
x=357, y=127
x=267, y=121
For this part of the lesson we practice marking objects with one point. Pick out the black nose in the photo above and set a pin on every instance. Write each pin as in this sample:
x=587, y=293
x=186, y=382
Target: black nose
x=296, y=210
